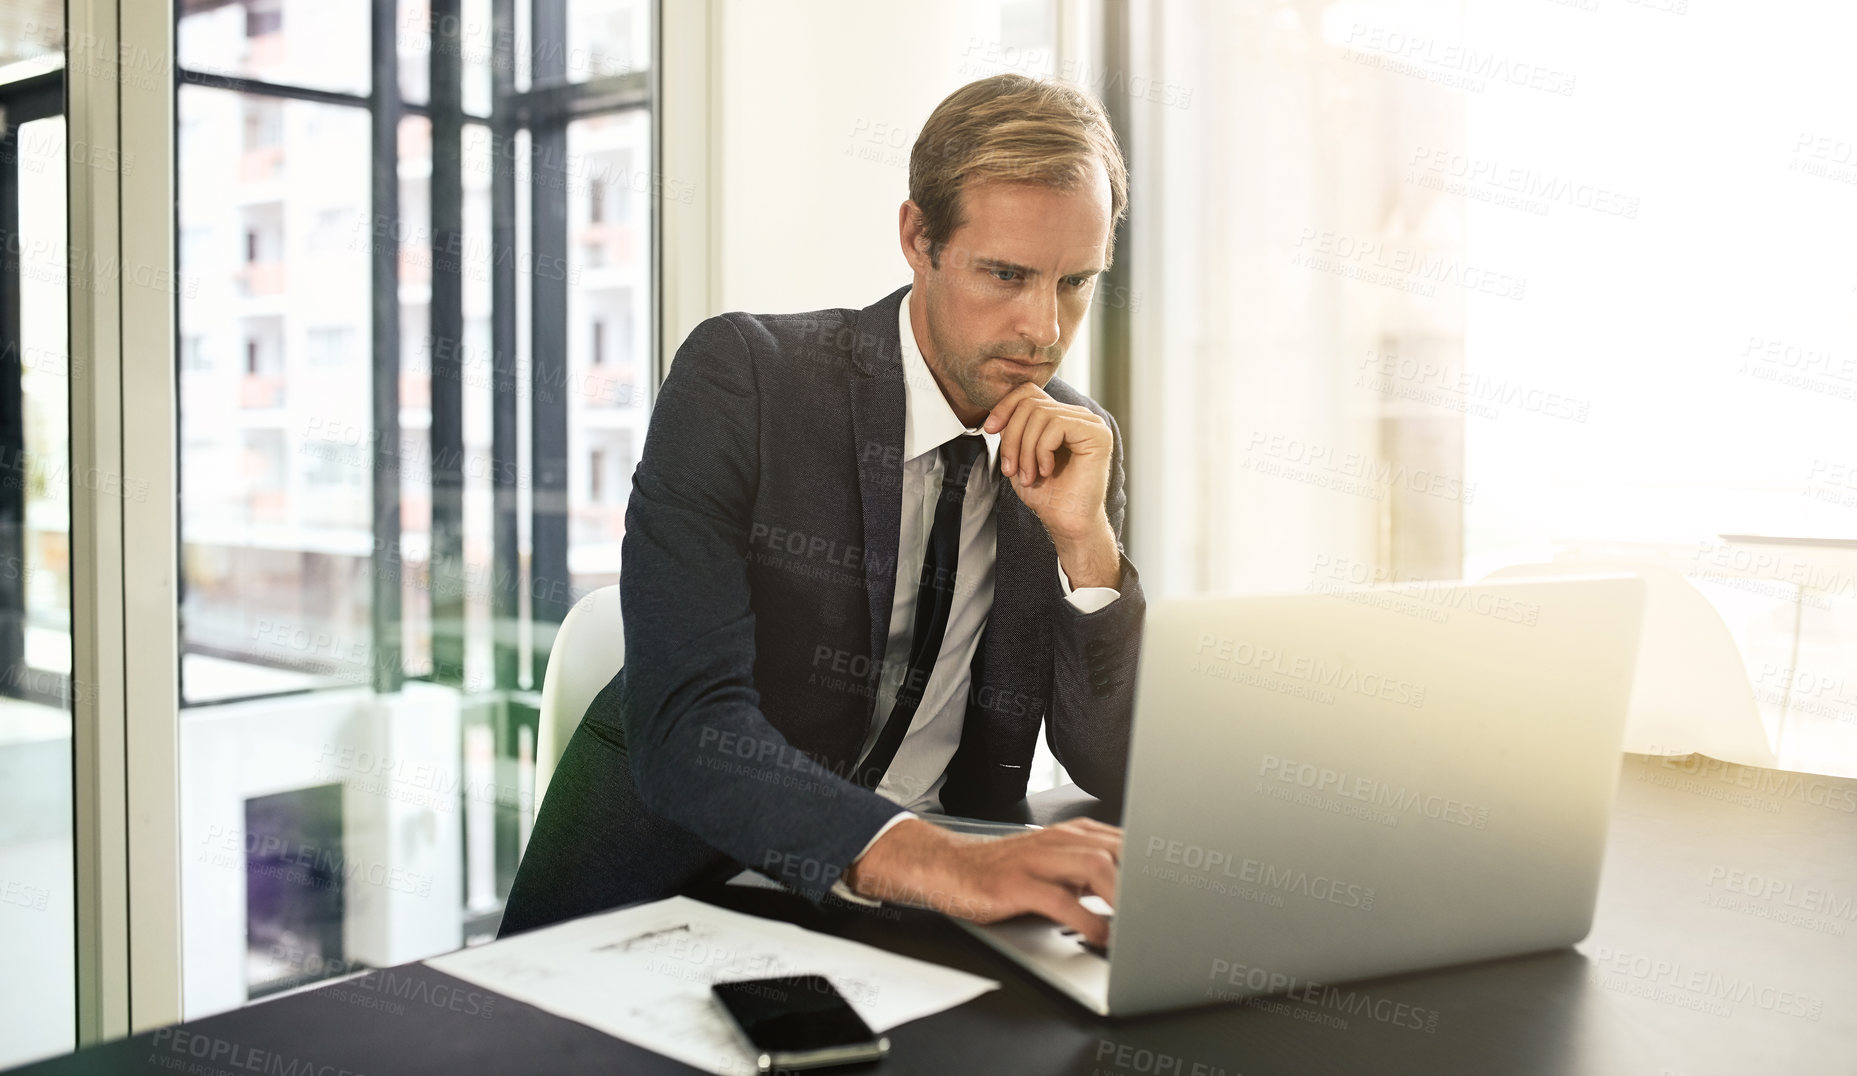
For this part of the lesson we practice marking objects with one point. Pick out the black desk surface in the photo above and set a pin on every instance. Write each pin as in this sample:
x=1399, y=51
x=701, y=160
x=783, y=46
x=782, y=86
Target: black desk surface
x=1723, y=944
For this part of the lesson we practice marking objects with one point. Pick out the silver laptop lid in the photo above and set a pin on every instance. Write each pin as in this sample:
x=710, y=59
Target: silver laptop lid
x=1340, y=785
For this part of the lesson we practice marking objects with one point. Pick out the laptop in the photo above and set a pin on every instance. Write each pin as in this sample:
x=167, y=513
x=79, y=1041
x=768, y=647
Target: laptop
x=1333, y=786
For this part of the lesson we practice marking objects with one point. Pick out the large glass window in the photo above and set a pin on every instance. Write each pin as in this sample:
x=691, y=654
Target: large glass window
x=37, y=921
x=414, y=375
x=1415, y=296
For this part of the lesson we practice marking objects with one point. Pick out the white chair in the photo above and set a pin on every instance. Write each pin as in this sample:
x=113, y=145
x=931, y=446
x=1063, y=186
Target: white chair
x=588, y=650
x=1691, y=692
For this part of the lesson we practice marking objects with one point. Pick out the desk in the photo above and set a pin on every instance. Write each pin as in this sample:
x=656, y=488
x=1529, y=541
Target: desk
x=1726, y=942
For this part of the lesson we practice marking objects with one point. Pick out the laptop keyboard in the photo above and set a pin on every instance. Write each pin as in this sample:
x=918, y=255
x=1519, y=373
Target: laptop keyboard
x=1098, y=950
x=1100, y=907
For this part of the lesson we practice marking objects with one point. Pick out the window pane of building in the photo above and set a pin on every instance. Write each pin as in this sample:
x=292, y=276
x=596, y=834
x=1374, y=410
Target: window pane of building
x=604, y=38
x=37, y=1013
x=610, y=182
x=316, y=43
x=474, y=44
x=361, y=643
x=275, y=419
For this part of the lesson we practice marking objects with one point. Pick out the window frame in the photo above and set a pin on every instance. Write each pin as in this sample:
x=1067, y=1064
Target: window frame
x=543, y=112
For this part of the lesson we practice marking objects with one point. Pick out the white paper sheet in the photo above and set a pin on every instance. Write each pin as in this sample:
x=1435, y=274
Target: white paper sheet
x=643, y=975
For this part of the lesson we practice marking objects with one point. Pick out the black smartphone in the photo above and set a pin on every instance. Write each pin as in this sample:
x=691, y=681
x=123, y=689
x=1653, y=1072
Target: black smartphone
x=799, y=1022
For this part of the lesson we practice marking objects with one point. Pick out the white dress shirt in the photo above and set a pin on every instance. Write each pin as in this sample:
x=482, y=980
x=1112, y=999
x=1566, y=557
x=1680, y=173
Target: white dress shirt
x=915, y=777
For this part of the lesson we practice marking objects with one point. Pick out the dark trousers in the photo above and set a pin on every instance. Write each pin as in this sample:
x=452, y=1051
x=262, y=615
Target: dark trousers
x=591, y=829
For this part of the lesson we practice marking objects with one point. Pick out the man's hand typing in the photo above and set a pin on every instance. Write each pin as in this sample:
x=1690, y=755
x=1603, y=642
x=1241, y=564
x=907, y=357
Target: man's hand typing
x=985, y=880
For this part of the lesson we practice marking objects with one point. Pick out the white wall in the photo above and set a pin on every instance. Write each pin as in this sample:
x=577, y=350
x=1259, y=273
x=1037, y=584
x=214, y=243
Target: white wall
x=820, y=101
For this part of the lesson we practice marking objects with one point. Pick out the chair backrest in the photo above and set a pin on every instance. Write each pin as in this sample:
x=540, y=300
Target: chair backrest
x=588, y=650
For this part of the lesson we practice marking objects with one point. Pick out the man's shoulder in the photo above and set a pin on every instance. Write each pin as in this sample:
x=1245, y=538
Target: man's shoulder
x=830, y=338
x=806, y=330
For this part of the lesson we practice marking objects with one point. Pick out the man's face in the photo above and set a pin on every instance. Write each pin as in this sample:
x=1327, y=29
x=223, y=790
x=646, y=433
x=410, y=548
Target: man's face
x=1011, y=286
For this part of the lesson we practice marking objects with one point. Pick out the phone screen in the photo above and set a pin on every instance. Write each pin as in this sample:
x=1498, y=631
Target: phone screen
x=793, y=1014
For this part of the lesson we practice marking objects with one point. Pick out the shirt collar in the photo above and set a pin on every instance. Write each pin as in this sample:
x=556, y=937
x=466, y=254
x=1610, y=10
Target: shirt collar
x=928, y=421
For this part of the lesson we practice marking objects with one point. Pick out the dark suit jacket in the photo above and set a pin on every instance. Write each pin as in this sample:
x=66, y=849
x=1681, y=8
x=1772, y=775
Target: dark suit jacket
x=759, y=565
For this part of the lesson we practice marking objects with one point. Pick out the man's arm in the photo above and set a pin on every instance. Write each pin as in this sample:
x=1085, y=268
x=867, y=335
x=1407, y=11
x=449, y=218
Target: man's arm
x=1094, y=656
x=1065, y=463
x=703, y=754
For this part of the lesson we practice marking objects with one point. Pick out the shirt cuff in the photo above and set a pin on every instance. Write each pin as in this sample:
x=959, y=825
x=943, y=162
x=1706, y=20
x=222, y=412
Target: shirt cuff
x=843, y=891
x=1086, y=599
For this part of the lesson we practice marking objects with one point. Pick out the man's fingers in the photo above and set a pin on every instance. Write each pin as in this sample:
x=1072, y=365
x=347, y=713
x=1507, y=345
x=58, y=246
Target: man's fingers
x=1059, y=905
x=1001, y=413
x=1110, y=843
x=1037, y=422
x=1050, y=438
x=1080, y=868
x=1095, y=835
x=1009, y=440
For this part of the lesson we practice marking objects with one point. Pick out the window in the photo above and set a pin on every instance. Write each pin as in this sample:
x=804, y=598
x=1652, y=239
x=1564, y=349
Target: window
x=331, y=347
x=38, y=901
x=1419, y=319
x=263, y=18
x=324, y=48
x=263, y=124
x=407, y=314
x=194, y=355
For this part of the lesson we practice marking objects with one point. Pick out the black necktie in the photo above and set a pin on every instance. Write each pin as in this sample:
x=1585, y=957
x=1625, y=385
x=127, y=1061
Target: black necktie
x=934, y=601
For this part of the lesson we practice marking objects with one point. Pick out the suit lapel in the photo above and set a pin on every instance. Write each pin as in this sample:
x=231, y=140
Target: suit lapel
x=877, y=415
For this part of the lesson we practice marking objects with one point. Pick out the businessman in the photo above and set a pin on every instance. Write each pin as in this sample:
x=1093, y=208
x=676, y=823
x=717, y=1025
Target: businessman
x=868, y=553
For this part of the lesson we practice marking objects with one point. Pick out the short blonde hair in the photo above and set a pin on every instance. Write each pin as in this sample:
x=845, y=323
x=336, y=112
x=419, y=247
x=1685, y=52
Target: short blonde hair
x=1014, y=129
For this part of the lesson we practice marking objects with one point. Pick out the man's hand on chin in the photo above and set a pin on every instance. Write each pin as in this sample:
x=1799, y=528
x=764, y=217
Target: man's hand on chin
x=1058, y=457
x=985, y=880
